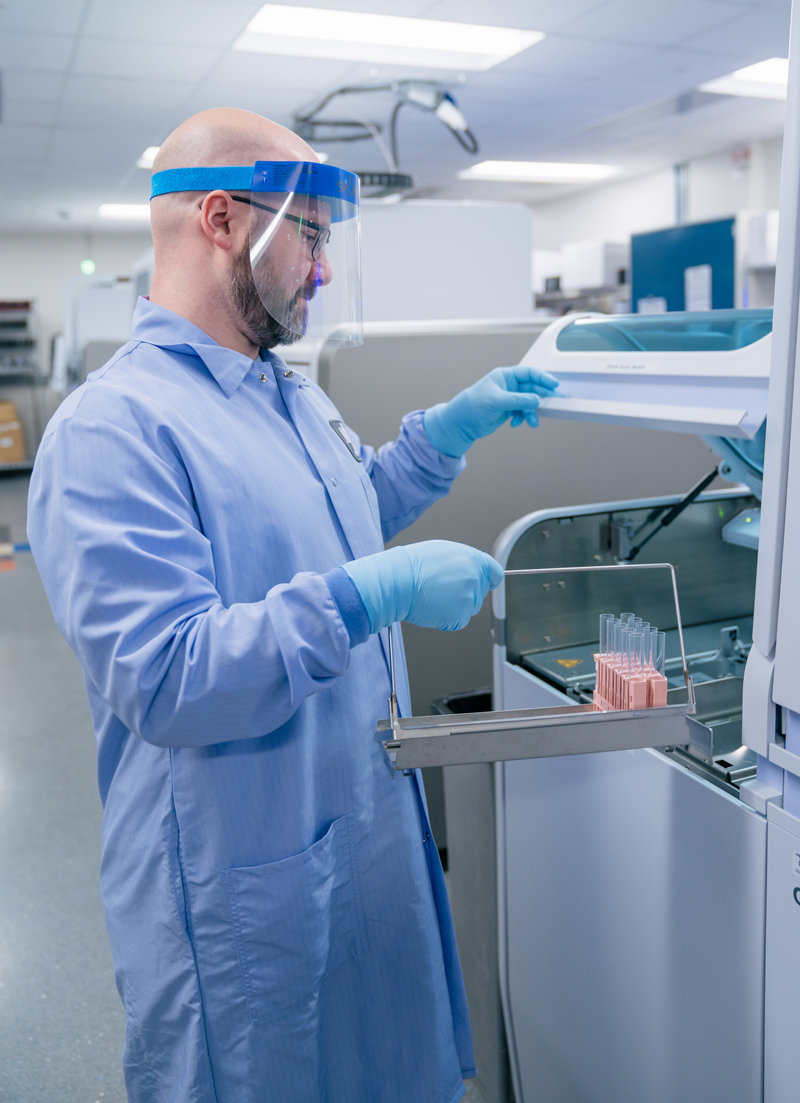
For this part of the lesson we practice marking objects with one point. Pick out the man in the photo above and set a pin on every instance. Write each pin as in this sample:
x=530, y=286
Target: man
x=211, y=541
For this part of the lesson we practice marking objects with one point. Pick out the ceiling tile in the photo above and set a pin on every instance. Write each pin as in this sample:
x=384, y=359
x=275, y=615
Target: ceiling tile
x=93, y=148
x=573, y=57
x=670, y=72
x=411, y=8
x=262, y=70
x=115, y=58
x=751, y=37
x=31, y=86
x=363, y=73
x=273, y=103
x=29, y=112
x=652, y=24
x=46, y=53
x=184, y=22
x=126, y=91
x=58, y=16
x=534, y=15
x=132, y=116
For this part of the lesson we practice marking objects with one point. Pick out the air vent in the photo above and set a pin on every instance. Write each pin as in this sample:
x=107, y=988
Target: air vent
x=630, y=123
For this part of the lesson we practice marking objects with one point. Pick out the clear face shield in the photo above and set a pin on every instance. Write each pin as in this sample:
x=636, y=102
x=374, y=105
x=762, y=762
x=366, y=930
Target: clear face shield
x=305, y=248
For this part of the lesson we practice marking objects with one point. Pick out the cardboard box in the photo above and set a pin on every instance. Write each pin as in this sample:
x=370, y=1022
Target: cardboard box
x=12, y=442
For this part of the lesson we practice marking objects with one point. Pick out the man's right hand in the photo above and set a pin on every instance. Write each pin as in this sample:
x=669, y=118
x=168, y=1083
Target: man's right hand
x=436, y=584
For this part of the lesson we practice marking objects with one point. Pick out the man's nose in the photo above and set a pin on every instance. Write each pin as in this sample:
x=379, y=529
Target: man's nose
x=321, y=273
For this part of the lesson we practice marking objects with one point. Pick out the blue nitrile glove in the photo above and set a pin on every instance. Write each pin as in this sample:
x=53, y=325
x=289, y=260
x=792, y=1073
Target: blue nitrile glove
x=476, y=412
x=436, y=584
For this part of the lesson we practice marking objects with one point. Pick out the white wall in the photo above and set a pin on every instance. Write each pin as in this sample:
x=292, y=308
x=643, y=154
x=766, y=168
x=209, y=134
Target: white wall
x=615, y=211
x=37, y=266
x=609, y=213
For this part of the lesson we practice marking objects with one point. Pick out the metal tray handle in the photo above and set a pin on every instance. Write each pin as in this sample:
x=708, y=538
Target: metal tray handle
x=536, y=733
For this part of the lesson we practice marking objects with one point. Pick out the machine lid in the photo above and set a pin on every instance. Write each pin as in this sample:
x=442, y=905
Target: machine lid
x=704, y=373
x=711, y=331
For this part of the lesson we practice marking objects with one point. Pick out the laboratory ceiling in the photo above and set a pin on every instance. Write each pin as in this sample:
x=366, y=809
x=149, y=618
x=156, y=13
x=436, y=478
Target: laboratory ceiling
x=87, y=85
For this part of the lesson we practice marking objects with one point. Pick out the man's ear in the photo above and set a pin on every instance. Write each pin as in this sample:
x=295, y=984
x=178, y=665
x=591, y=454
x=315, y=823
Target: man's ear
x=221, y=219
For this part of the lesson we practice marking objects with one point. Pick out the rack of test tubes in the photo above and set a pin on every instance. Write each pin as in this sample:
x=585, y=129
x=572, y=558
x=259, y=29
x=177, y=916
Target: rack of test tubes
x=630, y=664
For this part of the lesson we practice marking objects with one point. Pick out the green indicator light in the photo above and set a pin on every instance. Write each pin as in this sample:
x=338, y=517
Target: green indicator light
x=748, y=519
x=721, y=511
x=87, y=267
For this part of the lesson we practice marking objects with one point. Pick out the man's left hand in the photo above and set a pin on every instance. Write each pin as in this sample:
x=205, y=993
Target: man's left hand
x=476, y=412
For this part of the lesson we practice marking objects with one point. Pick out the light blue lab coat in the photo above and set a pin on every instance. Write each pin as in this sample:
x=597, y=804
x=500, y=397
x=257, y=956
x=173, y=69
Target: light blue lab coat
x=276, y=906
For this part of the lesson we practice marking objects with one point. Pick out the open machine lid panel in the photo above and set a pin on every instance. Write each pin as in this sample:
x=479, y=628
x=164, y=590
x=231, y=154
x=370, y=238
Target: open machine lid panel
x=704, y=373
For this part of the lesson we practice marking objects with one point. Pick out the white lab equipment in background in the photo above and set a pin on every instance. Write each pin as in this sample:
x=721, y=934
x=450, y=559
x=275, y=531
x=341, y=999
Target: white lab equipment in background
x=763, y=239
x=582, y=275
x=756, y=247
x=454, y=260
x=546, y=264
x=697, y=287
x=142, y=274
x=434, y=268
x=594, y=265
x=97, y=321
x=651, y=304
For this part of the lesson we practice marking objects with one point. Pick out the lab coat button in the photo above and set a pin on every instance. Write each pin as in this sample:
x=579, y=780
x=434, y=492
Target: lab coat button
x=263, y=377
x=288, y=374
x=334, y=482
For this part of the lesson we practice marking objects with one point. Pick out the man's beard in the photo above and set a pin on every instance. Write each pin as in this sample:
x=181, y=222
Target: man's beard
x=259, y=325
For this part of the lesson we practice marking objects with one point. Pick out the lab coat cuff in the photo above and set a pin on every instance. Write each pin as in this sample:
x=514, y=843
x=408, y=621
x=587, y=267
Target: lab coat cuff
x=351, y=608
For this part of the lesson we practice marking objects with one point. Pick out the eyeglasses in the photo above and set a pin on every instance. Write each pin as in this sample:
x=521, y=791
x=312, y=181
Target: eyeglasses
x=316, y=236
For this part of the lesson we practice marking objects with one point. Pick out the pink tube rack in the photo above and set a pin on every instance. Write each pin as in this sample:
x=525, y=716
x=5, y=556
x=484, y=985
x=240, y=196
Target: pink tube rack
x=620, y=688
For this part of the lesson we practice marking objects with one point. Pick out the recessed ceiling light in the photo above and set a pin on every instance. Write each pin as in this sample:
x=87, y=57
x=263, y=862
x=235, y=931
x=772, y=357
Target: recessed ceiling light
x=538, y=172
x=125, y=212
x=385, y=39
x=147, y=158
x=764, y=80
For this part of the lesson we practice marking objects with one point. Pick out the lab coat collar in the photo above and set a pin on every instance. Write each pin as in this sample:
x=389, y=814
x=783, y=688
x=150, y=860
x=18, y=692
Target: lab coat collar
x=155, y=325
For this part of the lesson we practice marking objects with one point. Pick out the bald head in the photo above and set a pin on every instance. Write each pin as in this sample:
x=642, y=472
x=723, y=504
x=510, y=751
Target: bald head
x=228, y=136
x=220, y=136
x=201, y=238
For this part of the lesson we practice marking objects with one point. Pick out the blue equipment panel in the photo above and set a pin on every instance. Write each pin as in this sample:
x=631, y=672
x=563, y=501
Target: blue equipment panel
x=659, y=260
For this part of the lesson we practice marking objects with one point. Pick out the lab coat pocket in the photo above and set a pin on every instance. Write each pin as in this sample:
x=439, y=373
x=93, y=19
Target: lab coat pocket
x=296, y=920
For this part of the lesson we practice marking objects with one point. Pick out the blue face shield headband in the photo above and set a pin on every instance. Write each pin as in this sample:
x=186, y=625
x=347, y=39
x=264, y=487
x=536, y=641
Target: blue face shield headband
x=305, y=239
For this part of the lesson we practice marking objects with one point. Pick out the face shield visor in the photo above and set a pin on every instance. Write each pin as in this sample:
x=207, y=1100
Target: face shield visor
x=305, y=240
x=305, y=248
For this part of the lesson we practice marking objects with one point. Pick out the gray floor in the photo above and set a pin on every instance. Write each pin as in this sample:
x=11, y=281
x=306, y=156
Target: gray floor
x=61, y=1020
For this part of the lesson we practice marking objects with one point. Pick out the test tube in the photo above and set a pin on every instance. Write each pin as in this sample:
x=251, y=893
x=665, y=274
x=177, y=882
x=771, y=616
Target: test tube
x=626, y=618
x=648, y=647
x=658, y=651
x=637, y=624
x=605, y=622
x=637, y=654
x=625, y=646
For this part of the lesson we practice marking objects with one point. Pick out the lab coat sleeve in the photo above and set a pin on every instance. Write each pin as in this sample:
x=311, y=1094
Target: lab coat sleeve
x=131, y=581
x=409, y=475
